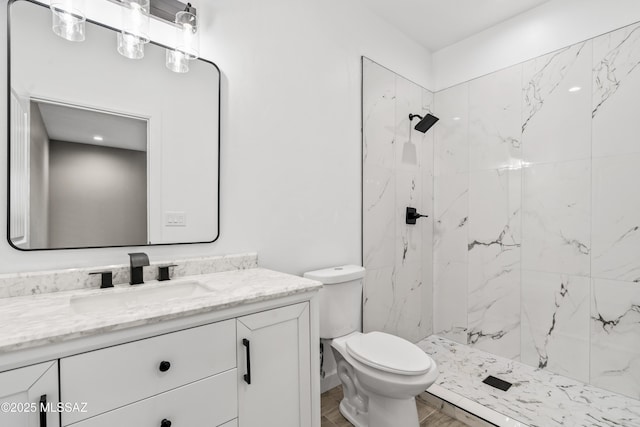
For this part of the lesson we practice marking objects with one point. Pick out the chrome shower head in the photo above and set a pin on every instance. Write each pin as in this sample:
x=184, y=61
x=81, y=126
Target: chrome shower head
x=425, y=122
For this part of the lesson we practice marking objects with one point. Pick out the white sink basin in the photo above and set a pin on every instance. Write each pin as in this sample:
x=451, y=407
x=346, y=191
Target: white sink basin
x=136, y=296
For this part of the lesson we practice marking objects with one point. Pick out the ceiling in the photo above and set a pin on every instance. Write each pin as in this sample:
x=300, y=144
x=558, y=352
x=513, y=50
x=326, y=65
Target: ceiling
x=81, y=126
x=436, y=24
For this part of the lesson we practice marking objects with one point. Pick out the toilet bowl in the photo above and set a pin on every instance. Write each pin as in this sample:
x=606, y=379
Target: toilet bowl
x=381, y=374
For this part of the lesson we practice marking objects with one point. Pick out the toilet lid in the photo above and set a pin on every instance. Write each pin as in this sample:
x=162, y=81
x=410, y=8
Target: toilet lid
x=388, y=353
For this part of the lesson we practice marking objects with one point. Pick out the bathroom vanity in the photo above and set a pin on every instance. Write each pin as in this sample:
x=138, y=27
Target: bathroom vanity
x=227, y=349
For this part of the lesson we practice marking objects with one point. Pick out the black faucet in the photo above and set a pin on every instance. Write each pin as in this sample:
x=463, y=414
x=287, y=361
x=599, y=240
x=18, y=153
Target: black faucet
x=138, y=260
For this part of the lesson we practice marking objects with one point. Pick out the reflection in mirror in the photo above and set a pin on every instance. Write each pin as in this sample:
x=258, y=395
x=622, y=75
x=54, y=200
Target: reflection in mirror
x=85, y=188
x=104, y=150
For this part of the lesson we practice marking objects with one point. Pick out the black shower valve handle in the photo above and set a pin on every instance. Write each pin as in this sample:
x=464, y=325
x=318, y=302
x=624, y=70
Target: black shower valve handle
x=413, y=215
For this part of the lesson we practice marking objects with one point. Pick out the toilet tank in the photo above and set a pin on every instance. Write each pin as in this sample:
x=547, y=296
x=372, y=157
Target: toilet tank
x=340, y=299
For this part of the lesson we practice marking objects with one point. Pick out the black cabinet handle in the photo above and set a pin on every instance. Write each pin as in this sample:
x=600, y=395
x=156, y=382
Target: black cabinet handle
x=165, y=366
x=247, y=376
x=165, y=423
x=43, y=414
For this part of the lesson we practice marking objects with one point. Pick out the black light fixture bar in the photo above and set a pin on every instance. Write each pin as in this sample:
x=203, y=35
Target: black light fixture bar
x=167, y=9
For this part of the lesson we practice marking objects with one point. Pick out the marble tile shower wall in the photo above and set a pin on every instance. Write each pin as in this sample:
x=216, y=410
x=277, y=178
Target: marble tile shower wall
x=398, y=172
x=537, y=212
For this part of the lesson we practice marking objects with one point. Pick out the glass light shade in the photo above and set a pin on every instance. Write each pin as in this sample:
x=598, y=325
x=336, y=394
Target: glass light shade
x=68, y=19
x=177, y=61
x=130, y=46
x=135, y=19
x=187, y=36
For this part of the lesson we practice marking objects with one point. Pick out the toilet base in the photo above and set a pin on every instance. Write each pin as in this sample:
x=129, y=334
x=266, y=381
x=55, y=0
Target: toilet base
x=356, y=418
x=387, y=412
x=383, y=412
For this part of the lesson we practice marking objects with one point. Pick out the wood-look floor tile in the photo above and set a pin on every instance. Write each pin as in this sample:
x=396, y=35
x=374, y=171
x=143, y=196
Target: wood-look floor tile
x=336, y=418
x=438, y=419
x=424, y=409
x=324, y=422
x=428, y=415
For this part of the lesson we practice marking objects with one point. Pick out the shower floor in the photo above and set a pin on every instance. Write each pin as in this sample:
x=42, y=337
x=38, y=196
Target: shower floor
x=538, y=398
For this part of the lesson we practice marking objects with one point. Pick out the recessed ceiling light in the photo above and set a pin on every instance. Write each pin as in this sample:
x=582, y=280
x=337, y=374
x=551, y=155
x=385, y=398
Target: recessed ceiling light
x=575, y=89
x=98, y=138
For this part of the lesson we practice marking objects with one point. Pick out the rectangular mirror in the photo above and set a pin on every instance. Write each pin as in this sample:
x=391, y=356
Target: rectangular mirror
x=104, y=150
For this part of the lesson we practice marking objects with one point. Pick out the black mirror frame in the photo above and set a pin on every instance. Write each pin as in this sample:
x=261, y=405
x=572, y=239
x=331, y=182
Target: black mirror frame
x=8, y=228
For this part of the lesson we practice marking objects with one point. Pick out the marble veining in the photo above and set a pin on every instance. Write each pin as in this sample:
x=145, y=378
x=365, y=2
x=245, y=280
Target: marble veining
x=494, y=262
x=537, y=398
x=543, y=83
x=616, y=219
x=537, y=236
x=41, y=282
x=557, y=218
x=615, y=336
x=616, y=82
x=622, y=59
x=495, y=135
x=37, y=320
x=555, y=323
x=397, y=173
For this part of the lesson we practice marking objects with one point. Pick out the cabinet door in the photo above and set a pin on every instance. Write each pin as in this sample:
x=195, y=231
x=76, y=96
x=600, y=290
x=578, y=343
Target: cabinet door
x=28, y=387
x=274, y=368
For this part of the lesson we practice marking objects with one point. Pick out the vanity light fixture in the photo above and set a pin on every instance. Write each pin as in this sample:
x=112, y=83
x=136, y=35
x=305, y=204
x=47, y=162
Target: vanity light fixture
x=68, y=19
x=69, y=23
x=135, y=28
x=187, y=44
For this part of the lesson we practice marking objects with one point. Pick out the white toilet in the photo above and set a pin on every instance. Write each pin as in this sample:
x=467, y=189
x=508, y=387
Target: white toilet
x=380, y=373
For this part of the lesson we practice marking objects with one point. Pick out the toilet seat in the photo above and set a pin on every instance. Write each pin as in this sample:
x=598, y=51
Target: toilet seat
x=388, y=353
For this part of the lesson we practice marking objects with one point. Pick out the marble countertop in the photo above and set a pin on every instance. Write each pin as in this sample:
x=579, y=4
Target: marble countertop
x=37, y=320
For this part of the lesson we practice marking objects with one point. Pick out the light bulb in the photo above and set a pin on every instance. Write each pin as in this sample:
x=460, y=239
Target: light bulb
x=135, y=28
x=68, y=19
x=130, y=46
x=177, y=61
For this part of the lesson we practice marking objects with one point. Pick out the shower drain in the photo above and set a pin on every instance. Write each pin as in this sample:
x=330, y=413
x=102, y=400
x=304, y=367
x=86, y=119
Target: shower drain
x=497, y=383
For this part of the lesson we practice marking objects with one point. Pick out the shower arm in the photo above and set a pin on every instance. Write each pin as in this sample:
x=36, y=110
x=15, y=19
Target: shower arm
x=413, y=116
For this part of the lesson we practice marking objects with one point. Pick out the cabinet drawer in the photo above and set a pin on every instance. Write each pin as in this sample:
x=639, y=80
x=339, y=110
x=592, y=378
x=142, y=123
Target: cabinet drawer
x=109, y=378
x=208, y=402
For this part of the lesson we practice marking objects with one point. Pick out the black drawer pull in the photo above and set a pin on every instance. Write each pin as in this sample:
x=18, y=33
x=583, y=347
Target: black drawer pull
x=164, y=367
x=165, y=423
x=43, y=414
x=247, y=376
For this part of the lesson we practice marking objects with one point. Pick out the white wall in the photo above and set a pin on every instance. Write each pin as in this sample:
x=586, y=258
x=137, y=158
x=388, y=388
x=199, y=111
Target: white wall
x=96, y=194
x=553, y=25
x=38, y=180
x=290, y=177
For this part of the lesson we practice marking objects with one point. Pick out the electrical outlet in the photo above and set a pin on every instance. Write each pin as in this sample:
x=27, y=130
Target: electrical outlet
x=175, y=219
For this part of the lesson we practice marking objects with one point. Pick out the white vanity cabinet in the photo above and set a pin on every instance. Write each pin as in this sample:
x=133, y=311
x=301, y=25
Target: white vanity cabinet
x=25, y=391
x=113, y=377
x=253, y=365
x=274, y=359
